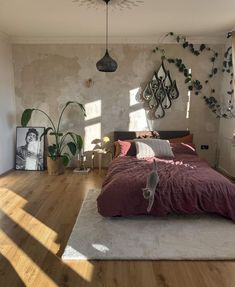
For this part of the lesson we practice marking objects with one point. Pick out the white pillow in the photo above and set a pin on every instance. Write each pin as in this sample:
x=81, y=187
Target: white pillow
x=153, y=147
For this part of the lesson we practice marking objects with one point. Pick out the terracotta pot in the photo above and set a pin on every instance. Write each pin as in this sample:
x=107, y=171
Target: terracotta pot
x=55, y=167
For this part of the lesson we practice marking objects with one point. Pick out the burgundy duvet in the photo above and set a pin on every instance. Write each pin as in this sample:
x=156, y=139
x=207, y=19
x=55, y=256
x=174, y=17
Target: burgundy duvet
x=187, y=185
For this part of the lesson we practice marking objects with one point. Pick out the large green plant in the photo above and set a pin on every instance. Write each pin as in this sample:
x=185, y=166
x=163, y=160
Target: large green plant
x=58, y=148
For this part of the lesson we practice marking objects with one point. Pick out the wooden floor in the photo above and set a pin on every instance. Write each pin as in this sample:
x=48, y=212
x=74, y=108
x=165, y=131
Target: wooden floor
x=37, y=216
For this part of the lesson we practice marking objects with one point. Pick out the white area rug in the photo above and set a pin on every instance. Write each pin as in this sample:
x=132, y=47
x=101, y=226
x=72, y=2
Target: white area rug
x=148, y=238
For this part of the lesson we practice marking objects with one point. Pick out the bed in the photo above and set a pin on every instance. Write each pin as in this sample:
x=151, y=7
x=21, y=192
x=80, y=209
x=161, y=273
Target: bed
x=187, y=185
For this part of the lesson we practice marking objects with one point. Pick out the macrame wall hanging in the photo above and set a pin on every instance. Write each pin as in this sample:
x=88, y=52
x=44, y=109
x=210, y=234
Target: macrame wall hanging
x=160, y=92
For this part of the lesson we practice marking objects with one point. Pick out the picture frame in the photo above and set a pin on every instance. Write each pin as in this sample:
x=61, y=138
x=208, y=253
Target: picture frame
x=30, y=148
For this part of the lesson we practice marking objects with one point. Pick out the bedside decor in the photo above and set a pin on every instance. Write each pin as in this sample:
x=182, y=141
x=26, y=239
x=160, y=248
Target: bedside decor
x=107, y=64
x=82, y=166
x=100, y=153
x=160, y=92
x=58, y=157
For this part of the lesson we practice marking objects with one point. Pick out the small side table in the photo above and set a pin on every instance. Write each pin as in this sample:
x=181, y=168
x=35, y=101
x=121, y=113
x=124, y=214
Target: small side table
x=100, y=153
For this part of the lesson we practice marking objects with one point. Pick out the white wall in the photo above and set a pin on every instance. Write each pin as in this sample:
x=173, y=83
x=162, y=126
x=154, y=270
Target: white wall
x=226, y=161
x=7, y=107
x=226, y=156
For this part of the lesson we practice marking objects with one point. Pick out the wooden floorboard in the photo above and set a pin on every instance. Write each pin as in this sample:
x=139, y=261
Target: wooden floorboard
x=37, y=214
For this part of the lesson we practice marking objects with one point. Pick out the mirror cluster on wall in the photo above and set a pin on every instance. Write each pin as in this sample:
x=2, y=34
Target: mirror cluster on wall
x=160, y=92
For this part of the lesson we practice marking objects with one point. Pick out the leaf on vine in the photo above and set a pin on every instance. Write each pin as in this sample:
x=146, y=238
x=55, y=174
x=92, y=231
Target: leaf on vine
x=202, y=47
x=181, y=68
x=186, y=72
x=170, y=60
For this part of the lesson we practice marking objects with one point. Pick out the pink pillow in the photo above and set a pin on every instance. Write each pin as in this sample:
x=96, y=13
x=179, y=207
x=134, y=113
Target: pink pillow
x=125, y=148
x=183, y=148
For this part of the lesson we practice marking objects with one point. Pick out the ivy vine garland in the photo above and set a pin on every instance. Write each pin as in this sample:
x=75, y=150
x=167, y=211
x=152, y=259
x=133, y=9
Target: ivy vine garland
x=195, y=85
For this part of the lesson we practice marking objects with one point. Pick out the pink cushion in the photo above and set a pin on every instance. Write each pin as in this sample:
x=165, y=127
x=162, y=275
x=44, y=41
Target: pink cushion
x=125, y=148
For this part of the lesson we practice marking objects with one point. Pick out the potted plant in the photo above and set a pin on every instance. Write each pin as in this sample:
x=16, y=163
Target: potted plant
x=58, y=156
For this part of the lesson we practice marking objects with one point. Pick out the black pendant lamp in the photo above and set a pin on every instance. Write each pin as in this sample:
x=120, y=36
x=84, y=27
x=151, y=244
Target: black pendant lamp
x=107, y=64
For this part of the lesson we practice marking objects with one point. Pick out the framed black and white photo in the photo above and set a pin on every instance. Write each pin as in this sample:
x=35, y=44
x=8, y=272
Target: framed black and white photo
x=29, y=148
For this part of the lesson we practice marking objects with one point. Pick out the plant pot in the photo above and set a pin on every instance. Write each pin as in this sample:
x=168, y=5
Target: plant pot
x=55, y=167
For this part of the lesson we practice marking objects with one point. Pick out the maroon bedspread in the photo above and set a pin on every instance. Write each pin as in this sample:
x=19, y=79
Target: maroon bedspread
x=188, y=185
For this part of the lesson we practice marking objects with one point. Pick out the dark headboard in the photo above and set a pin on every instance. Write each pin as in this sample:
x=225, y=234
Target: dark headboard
x=124, y=135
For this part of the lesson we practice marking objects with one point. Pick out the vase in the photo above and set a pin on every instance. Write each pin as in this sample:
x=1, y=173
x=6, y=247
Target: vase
x=55, y=167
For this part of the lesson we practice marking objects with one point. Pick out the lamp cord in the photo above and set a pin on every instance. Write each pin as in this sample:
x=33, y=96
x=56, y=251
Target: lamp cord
x=107, y=19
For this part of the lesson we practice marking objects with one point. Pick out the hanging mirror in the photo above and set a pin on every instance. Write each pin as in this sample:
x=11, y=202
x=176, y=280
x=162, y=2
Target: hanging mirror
x=160, y=92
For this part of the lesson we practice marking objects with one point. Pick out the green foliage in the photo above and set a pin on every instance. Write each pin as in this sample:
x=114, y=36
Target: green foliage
x=195, y=85
x=26, y=116
x=56, y=149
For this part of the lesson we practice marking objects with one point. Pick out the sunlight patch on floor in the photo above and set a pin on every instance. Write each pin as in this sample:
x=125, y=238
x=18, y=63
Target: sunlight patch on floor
x=25, y=220
x=30, y=269
x=100, y=247
x=83, y=268
x=9, y=198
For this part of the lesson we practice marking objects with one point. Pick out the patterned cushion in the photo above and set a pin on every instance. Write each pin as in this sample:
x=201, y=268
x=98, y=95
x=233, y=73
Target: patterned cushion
x=153, y=147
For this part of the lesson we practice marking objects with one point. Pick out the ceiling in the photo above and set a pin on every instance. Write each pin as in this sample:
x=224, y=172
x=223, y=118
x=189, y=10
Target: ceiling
x=143, y=19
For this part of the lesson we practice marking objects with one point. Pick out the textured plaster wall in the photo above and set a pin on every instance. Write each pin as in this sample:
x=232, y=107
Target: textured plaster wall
x=47, y=76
